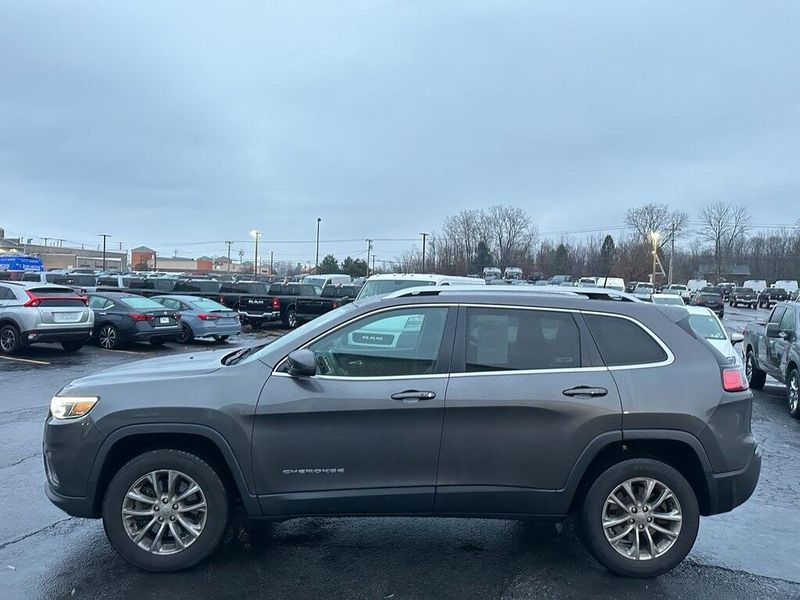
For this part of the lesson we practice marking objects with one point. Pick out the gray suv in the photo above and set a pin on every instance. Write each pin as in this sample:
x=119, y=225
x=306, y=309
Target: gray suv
x=431, y=403
x=34, y=313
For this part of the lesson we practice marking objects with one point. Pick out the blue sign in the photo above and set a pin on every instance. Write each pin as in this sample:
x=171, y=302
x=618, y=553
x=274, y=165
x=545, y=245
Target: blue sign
x=19, y=262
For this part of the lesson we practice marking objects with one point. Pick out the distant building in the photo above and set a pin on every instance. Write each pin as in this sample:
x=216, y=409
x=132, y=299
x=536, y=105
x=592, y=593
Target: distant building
x=728, y=272
x=143, y=258
x=65, y=257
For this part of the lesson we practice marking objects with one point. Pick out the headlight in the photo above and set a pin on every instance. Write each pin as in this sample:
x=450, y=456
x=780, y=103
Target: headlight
x=71, y=407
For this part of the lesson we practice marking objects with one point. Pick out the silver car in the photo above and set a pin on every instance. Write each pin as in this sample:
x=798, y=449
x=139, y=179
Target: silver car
x=202, y=317
x=35, y=313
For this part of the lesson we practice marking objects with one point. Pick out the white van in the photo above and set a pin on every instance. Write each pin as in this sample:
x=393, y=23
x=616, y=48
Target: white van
x=695, y=285
x=330, y=279
x=615, y=283
x=380, y=285
x=758, y=285
x=790, y=285
x=512, y=273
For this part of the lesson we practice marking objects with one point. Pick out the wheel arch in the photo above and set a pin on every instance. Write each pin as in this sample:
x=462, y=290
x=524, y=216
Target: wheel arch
x=680, y=450
x=206, y=443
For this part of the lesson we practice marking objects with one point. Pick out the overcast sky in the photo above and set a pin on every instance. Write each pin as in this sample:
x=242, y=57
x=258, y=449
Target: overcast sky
x=175, y=124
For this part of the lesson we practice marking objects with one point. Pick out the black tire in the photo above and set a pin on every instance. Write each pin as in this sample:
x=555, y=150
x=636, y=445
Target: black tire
x=108, y=337
x=591, y=516
x=185, y=334
x=72, y=346
x=216, y=497
x=221, y=339
x=157, y=342
x=290, y=318
x=10, y=339
x=756, y=378
x=793, y=393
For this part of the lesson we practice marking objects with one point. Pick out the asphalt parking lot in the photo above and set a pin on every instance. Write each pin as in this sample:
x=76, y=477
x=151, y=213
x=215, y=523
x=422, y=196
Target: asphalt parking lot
x=752, y=552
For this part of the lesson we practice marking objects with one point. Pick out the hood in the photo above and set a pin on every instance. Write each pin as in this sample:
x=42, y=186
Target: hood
x=166, y=367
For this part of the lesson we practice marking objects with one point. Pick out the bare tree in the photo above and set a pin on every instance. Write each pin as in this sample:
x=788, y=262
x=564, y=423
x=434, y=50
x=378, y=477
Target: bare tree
x=723, y=225
x=512, y=234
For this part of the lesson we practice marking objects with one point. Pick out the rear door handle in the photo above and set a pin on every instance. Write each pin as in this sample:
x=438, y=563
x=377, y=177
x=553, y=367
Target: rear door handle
x=584, y=391
x=413, y=396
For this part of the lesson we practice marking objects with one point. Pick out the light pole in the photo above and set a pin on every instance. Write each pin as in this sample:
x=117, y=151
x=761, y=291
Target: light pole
x=369, y=250
x=229, y=255
x=654, y=237
x=316, y=261
x=271, y=256
x=104, y=236
x=255, y=233
x=424, y=238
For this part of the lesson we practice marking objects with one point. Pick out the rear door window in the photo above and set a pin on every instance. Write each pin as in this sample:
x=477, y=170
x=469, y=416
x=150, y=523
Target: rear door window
x=499, y=339
x=622, y=342
x=777, y=313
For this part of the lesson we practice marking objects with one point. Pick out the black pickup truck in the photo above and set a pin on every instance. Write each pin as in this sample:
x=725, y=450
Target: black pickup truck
x=250, y=299
x=772, y=348
x=771, y=296
x=297, y=303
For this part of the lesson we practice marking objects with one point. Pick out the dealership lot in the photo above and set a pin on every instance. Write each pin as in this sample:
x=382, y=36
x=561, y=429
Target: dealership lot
x=44, y=553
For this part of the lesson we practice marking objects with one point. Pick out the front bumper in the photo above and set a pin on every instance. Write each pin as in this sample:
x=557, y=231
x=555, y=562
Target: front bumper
x=71, y=334
x=728, y=490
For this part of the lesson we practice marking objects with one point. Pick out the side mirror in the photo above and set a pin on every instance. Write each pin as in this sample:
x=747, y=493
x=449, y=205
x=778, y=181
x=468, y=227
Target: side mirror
x=736, y=338
x=773, y=329
x=302, y=363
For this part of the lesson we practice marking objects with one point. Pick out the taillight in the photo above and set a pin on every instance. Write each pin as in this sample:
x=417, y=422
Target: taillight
x=734, y=380
x=207, y=317
x=221, y=299
x=335, y=305
x=141, y=317
x=33, y=300
x=177, y=316
x=276, y=304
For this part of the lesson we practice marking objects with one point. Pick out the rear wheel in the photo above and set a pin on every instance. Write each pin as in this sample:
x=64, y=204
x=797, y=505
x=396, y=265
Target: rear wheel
x=108, y=337
x=640, y=518
x=290, y=318
x=165, y=510
x=185, y=334
x=72, y=346
x=793, y=393
x=755, y=376
x=10, y=341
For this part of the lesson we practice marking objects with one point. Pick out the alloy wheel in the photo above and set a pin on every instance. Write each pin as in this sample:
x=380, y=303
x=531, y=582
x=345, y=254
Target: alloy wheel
x=793, y=393
x=108, y=337
x=642, y=518
x=8, y=340
x=292, y=319
x=164, y=512
x=748, y=367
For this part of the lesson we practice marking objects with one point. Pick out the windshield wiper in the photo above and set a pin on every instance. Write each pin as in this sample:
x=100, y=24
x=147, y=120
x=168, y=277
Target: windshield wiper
x=242, y=353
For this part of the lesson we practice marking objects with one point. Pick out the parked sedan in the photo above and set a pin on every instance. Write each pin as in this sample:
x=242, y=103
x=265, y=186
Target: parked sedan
x=706, y=324
x=201, y=317
x=671, y=299
x=123, y=318
x=712, y=301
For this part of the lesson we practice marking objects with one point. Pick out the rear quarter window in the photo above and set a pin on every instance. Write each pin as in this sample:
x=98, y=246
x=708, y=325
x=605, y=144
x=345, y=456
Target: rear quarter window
x=622, y=342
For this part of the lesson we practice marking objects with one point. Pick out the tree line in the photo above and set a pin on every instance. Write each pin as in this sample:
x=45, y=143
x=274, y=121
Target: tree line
x=720, y=237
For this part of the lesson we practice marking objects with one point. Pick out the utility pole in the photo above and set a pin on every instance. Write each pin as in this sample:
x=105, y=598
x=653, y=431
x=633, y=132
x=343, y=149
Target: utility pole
x=255, y=233
x=373, y=263
x=424, y=237
x=104, y=236
x=316, y=261
x=671, y=252
x=271, y=256
x=369, y=251
x=229, y=255
x=241, y=258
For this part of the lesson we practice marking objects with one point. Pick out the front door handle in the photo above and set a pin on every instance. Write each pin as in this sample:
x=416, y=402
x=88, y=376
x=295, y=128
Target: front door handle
x=413, y=396
x=584, y=391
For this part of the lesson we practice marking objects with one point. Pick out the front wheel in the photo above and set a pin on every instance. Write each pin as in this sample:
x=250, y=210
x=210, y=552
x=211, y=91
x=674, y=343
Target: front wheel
x=165, y=510
x=793, y=393
x=640, y=518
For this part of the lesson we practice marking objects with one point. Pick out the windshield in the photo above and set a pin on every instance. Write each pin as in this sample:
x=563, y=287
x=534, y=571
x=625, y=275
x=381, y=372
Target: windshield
x=141, y=303
x=668, y=300
x=381, y=287
x=288, y=341
x=707, y=326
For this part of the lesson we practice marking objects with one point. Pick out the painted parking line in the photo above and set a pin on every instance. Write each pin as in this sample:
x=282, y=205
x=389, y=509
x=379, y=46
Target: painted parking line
x=25, y=360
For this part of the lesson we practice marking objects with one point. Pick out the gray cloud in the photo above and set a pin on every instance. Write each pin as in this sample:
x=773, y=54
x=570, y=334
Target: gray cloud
x=175, y=122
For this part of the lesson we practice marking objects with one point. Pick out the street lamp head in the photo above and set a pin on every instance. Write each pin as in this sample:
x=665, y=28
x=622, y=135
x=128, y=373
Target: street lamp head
x=255, y=233
x=319, y=219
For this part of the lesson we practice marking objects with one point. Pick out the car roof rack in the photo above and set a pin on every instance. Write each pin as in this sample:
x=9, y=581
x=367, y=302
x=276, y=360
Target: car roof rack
x=593, y=293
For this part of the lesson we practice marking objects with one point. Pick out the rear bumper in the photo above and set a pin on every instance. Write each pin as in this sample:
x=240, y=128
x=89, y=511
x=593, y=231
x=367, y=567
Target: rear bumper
x=166, y=333
x=72, y=334
x=274, y=315
x=729, y=490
